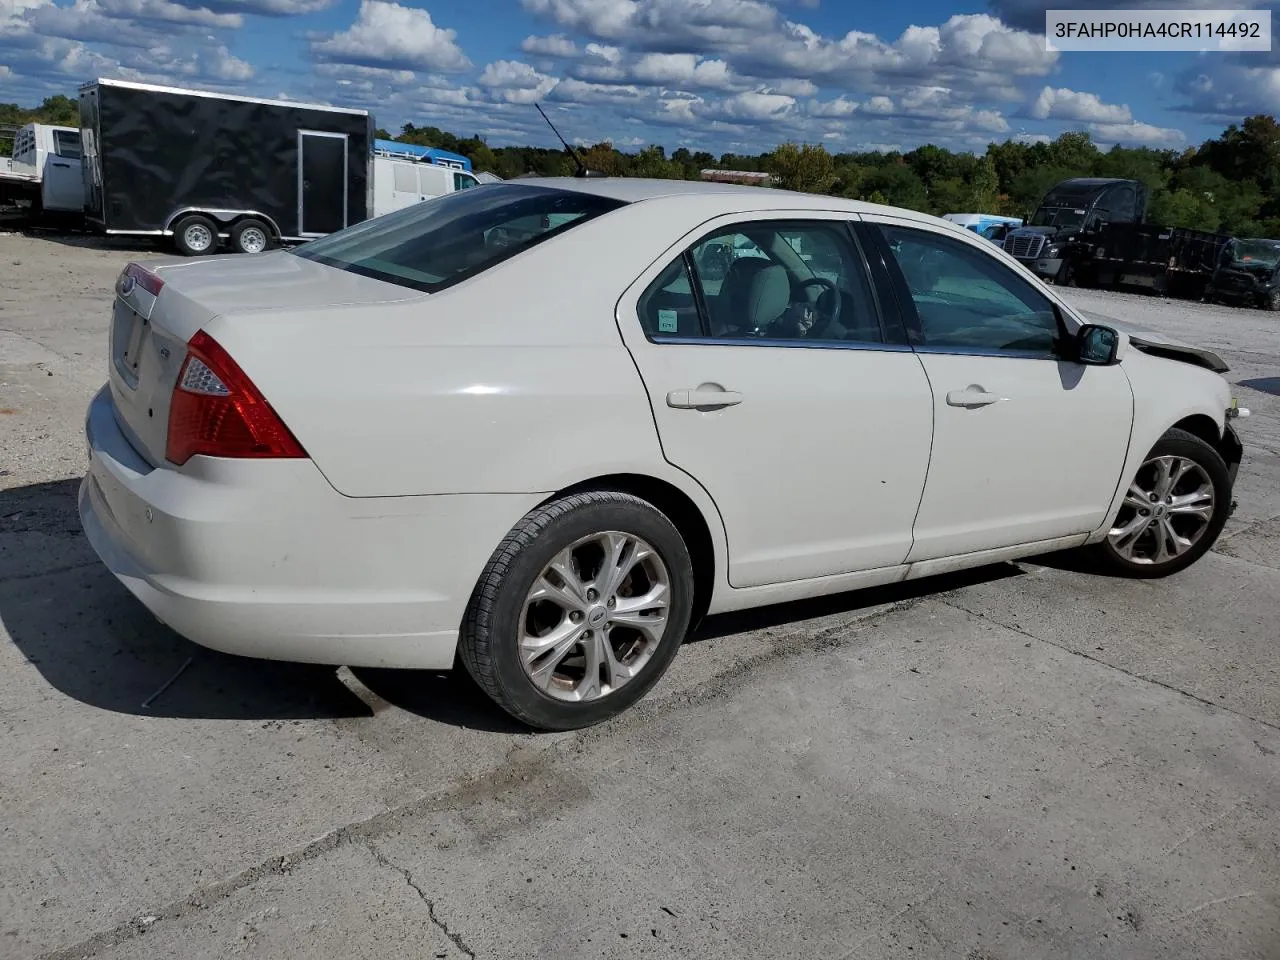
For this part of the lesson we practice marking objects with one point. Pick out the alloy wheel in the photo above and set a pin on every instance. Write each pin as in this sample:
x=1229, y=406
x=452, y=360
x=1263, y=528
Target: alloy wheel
x=594, y=616
x=1166, y=510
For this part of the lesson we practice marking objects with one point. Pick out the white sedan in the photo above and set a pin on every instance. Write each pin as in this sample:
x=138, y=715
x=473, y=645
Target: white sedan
x=544, y=426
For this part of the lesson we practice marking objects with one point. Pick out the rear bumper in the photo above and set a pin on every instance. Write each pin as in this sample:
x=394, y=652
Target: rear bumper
x=265, y=559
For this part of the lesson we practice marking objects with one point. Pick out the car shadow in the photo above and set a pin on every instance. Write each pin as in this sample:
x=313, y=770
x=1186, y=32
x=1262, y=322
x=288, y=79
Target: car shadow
x=763, y=618
x=443, y=696
x=1269, y=385
x=91, y=640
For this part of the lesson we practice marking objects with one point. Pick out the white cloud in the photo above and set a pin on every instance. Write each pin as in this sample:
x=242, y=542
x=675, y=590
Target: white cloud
x=1029, y=14
x=516, y=82
x=220, y=64
x=681, y=69
x=794, y=87
x=388, y=34
x=1136, y=132
x=347, y=74
x=571, y=90
x=556, y=45
x=599, y=18
x=1064, y=104
x=262, y=8
x=1231, y=90
x=839, y=107
x=165, y=11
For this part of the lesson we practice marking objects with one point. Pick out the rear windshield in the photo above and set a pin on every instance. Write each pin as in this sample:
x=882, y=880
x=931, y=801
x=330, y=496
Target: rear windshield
x=437, y=243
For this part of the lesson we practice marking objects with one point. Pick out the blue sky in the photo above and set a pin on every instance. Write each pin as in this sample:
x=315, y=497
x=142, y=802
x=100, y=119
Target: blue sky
x=720, y=75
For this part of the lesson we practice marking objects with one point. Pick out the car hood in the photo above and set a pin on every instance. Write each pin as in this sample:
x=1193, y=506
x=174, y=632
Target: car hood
x=1161, y=345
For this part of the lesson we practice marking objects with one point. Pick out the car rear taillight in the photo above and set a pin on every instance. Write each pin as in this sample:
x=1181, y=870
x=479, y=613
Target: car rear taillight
x=135, y=274
x=216, y=411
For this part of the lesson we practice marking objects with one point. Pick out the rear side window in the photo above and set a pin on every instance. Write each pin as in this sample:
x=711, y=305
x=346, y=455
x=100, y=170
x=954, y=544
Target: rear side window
x=437, y=243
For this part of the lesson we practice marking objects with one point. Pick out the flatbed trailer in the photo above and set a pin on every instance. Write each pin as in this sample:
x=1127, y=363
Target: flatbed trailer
x=1170, y=261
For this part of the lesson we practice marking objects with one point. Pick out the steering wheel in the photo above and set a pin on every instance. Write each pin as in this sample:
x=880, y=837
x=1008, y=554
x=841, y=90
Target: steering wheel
x=834, y=315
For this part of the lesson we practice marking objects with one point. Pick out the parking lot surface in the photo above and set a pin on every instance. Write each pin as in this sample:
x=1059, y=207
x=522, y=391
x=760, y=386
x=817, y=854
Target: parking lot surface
x=1022, y=761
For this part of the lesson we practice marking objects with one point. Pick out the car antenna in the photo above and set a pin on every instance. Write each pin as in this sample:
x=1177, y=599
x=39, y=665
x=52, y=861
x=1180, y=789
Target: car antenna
x=577, y=157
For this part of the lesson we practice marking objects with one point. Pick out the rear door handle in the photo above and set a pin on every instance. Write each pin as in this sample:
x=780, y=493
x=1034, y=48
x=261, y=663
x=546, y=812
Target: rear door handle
x=973, y=396
x=702, y=399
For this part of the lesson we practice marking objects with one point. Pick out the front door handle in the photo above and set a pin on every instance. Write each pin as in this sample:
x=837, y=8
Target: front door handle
x=973, y=396
x=702, y=399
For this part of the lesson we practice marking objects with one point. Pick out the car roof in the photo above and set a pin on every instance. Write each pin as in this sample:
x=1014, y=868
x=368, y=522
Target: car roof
x=735, y=196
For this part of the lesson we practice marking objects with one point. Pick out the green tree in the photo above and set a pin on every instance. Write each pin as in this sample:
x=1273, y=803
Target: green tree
x=651, y=163
x=1182, y=208
x=1074, y=150
x=895, y=184
x=808, y=168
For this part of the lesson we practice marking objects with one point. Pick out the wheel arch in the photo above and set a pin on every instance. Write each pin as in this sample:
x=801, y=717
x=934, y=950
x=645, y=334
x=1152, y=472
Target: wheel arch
x=1200, y=425
x=224, y=218
x=682, y=510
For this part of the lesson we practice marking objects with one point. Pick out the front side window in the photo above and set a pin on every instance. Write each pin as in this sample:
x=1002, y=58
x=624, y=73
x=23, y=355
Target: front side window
x=463, y=181
x=966, y=299
x=66, y=144
x=437, y=243
x=768, y=281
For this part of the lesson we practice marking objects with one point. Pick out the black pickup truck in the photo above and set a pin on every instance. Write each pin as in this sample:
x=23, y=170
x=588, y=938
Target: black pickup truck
x=1248, y=274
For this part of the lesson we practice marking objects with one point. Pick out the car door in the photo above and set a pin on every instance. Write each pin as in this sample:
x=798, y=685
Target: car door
x=1027, y=446
x=64, y=181
x=809, y=426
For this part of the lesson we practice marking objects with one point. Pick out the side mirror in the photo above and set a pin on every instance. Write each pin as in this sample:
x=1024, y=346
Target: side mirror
x=1097, y=346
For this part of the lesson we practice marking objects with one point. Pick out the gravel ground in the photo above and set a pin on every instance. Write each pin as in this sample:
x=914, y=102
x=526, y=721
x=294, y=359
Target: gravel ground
x=1020, y=762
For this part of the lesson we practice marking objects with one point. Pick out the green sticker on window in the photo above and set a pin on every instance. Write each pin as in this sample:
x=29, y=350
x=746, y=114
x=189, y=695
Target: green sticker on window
x=668, y=321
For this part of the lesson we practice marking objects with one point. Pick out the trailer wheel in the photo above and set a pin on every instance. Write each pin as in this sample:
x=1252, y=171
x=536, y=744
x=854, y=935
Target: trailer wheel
x=250, y=236
x=195, y=236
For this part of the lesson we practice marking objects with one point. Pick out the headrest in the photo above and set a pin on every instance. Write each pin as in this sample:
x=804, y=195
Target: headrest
x=760, y=291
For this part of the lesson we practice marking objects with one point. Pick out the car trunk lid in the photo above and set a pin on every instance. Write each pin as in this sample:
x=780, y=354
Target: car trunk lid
x=159, y=307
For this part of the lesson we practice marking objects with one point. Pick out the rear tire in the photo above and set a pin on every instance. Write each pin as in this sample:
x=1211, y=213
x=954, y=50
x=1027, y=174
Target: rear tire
x=250, y=236
x=1182, y=518
x=540, y=635
x=195, y=236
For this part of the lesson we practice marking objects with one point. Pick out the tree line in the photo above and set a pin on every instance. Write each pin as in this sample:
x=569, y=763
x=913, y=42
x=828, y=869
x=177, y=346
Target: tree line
x=1230, y=183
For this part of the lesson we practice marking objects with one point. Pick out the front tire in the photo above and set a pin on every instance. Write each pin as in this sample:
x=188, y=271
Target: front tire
x=195, y=236
x=1173, y=512
x=580, y=610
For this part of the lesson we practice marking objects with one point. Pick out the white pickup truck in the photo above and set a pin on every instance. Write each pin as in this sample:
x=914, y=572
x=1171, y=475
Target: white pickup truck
x=44, y=174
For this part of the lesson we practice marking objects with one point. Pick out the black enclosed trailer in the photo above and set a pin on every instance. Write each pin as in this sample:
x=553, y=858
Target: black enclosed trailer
x=205, y=167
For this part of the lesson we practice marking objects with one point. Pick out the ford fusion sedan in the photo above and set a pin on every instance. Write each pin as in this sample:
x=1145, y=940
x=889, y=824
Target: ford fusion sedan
x=541, y=427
